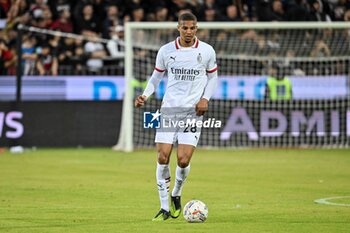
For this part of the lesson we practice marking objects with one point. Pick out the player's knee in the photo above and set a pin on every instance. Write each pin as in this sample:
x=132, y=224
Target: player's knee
x=183, y=162
x=163, y=157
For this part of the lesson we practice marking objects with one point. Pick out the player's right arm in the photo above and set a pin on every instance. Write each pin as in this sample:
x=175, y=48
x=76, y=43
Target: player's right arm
x=154, y=81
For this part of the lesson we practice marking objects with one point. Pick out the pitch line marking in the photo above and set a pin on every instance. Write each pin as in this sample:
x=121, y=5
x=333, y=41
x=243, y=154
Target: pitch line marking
x=326, y=201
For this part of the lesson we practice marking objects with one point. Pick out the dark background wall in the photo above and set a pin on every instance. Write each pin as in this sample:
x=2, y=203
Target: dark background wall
x=56, y=124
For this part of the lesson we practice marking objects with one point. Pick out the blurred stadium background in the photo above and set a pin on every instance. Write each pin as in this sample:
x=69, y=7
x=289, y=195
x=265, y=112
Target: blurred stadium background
x=69, y=71
x=74, y=63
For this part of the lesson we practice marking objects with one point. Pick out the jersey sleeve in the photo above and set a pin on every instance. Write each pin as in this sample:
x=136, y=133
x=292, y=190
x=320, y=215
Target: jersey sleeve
x=212, y=66
x=160, y=63
x=157, y=74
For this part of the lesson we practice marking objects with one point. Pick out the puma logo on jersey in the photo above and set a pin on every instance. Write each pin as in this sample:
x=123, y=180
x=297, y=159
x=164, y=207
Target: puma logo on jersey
x=172, y=58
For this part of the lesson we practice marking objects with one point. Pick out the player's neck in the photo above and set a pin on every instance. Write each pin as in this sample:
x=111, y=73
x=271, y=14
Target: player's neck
x=184, y=44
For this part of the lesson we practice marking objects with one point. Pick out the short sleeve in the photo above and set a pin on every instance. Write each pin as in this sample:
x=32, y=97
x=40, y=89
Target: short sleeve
x=160, y=64
x=212, y=66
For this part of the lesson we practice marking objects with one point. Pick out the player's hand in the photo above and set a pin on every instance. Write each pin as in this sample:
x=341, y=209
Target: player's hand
x=140, y=101
x=202, y=107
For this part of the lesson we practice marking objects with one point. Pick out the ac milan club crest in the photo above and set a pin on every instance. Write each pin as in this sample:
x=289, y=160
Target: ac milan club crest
x=199, y=58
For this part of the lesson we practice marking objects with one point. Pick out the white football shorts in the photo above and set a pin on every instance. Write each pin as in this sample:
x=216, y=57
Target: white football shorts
x=179, y=127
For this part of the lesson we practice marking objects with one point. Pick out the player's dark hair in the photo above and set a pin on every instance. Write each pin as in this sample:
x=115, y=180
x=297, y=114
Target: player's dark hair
x=188, y=16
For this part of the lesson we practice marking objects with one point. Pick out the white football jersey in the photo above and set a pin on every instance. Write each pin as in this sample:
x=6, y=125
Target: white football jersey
x=187, y=69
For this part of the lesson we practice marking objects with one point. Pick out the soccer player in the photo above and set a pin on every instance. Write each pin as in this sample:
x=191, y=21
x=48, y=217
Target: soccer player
x=191, y=68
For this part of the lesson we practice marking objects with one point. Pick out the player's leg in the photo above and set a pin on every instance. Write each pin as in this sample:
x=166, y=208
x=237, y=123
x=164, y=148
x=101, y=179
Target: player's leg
x=187, y=142
x=184, y=155
x=164, y=147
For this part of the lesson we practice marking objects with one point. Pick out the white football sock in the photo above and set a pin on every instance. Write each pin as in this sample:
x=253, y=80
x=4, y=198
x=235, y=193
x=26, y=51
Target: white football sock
x=181, y=174
x=163, y=183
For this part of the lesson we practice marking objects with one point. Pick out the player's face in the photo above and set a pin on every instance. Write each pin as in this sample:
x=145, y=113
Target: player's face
x=187, y=31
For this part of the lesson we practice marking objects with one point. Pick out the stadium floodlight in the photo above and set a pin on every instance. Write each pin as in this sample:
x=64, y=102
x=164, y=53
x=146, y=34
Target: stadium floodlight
x=311, y=52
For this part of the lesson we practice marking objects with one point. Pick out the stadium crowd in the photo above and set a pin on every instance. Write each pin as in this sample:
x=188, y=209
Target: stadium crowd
x=53, y=55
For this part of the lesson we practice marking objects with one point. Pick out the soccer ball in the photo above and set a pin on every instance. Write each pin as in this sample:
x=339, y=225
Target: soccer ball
x=195, y=211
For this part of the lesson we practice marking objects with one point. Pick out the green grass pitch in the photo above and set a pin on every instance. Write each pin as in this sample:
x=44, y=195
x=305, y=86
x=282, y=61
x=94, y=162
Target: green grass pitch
x=100, y=190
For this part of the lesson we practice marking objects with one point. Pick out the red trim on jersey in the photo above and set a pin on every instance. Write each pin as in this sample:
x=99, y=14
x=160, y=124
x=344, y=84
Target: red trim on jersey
x=177, y=43
x=212, y=70
x=196, y=43
x=159, y=70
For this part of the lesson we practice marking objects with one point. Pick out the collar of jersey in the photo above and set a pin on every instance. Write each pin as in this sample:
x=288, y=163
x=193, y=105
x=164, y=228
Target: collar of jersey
x=178, y=46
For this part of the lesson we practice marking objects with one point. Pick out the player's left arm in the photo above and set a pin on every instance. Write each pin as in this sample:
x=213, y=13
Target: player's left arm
x=212, y=74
